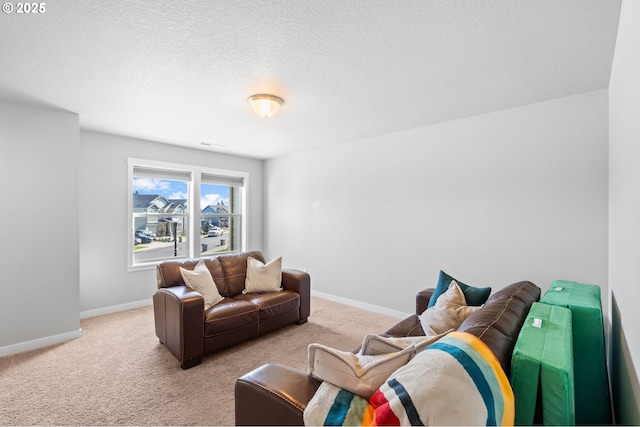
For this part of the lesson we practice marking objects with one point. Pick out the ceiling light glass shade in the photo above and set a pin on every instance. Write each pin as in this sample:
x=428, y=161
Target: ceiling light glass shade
x=266, y=105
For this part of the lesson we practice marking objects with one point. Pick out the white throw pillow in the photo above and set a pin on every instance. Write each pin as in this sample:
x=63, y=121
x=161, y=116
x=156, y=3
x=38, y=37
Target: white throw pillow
x=357, y=373
x=449, y=312
x=263, y=277
x=200, y=280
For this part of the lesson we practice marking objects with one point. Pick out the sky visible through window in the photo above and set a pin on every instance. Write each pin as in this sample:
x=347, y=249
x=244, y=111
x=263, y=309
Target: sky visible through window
x=210, y=194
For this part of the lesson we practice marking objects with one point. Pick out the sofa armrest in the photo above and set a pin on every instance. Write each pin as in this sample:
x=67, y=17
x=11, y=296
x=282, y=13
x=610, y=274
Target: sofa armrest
x=300, y=282
x=422, y=300
x=273, y=394
x=178, y=312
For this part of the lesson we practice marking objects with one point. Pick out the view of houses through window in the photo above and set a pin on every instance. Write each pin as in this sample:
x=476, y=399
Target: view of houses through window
x=161, y=214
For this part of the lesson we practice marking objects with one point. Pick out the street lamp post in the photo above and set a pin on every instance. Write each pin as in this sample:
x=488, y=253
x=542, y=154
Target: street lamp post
x=175, y=238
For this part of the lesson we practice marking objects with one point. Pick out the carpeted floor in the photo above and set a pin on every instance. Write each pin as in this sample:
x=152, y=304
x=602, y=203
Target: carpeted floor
x=118, y=373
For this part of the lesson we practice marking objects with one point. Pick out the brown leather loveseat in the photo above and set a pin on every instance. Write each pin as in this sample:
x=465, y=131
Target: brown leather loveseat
x=189, y=331
x=274, y=394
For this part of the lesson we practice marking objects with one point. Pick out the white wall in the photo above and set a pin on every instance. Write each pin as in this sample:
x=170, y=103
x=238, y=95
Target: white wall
x=39, y=243
x=105, y=284
x=624, y=216
x=518, y=194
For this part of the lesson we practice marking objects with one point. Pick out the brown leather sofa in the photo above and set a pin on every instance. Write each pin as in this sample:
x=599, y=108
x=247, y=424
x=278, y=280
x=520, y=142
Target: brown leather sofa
x=189, y=332
x=274, y=394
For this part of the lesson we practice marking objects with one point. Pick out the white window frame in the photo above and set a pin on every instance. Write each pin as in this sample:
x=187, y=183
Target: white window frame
x=194, y=208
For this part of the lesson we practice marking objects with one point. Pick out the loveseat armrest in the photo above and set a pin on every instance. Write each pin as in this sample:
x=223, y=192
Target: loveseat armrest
x=179, y=320
x=422, y=300
x=273, y=394
x=300, y=282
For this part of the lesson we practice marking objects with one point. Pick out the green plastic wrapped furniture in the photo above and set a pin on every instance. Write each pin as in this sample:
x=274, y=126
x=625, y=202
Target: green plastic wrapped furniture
x=542, y=368
x=591, y=380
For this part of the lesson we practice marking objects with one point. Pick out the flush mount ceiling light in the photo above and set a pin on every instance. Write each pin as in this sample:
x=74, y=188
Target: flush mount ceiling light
x=265, y=105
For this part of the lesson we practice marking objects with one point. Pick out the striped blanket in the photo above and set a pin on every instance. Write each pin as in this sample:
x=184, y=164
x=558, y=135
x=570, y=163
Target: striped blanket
x=455, y=381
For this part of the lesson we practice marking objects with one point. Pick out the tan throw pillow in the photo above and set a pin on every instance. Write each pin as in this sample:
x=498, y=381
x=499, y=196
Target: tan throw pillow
x=449, y=312
x=200, y=280
x=357, y=373
x=263, y=277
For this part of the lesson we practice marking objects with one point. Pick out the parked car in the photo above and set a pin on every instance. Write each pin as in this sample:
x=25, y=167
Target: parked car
x=215, y=232
x=144, y=237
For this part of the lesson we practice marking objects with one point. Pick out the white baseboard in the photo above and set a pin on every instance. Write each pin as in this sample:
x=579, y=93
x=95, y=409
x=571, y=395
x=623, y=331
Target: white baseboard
x=68, y=336
x=360, y=304
x=39, y=343
x=115, y=308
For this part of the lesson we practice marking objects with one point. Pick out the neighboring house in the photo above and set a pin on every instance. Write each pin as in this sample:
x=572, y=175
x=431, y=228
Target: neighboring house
x=156, y=204
x=219, y=208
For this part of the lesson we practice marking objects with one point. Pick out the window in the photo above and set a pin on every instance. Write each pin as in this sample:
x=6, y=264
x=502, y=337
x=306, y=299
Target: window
x=182, y=211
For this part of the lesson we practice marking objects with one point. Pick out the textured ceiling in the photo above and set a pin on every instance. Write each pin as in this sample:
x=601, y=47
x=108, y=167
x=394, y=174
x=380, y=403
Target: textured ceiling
x=180, y=71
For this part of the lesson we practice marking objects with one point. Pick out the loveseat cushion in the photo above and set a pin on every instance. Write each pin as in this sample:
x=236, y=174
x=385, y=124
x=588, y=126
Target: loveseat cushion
x=215, y=268
x=230, y=315
x=272, y=304
x=168, y=273
x=234, y=267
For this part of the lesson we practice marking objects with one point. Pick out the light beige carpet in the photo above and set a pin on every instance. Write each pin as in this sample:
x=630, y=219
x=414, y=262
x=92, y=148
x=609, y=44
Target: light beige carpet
x=118, y=373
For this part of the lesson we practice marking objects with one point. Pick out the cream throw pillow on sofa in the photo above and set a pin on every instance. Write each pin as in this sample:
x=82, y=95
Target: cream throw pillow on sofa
x=364, y=372
x=449, y=312
x=361, y=375
x=200, y=280
x=374, y=345
x=263, y=277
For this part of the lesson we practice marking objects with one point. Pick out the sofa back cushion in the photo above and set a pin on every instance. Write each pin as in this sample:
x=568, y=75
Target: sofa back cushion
x=499, y=322
x=168, y=273
x=234, y=267
x=228, y=271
